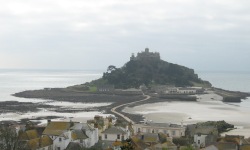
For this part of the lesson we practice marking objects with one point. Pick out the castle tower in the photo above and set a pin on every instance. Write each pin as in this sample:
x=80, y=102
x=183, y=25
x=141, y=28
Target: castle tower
x=147, y=50
x=132, y=56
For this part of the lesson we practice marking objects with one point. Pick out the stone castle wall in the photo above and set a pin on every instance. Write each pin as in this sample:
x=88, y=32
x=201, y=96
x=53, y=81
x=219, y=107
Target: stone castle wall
x=146, y=55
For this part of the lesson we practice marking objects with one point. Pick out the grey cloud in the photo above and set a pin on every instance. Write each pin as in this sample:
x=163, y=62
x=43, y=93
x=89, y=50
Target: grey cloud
x=196, y=33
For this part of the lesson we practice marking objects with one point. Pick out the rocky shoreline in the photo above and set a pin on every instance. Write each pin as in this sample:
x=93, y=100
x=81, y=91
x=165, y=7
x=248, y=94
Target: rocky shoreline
x=64, y=95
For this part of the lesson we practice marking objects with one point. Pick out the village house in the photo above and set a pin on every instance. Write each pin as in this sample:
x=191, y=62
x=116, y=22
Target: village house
x=60, y=133
x=102, y=123
x=205, y=135
x=170, y=89
x=64, y=133
x=153, y=141
x=30, y=140
x=114, y=133
x=171, y=130
x=84, y=134
x=186, y=90
x=245, y=144
x=105, y=88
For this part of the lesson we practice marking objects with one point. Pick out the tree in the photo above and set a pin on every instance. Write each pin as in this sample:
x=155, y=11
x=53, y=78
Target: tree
x=111, y=68
x=8, y=138
x=189, y=147
x=127, y=145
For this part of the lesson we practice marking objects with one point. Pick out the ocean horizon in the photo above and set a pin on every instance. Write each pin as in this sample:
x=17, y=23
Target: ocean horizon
x=16, y=80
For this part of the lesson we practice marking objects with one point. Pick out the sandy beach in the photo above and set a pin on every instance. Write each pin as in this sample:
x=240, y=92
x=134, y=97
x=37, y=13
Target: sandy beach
x=208, y=108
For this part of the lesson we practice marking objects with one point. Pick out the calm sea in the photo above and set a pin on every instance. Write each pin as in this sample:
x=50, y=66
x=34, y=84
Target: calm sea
x=12, y=81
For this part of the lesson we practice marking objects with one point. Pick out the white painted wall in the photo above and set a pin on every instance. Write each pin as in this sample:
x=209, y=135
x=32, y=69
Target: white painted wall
x=200, y=140
x=113, y=137
x=172, y=132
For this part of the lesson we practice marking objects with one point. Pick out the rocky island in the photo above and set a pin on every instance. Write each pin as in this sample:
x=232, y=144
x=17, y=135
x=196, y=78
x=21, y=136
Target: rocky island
x=145, y=72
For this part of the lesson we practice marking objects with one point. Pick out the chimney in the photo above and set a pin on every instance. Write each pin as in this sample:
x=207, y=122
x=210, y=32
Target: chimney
x=48, y=121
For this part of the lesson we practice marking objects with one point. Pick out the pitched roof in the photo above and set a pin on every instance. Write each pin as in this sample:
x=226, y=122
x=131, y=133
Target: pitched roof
x=161, y=125
x=226, y=146
x=211, y=147
x=73, y=146
x=117, y=143
x=79, y=126
x=56, y=128
x=114, y=130
x=151, y=137
x=28, y=135
x=32, y=134
x=39, y=142
x=78, y=134
x=245, y=147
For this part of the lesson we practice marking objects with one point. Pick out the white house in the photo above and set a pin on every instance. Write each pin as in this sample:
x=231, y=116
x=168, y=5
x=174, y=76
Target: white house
x=114, y=133
x=200, y=140
x=188, y=90
x=85, y=134
x=172, y=130
x=171, y=90
x=30, y=140
x=63, y=133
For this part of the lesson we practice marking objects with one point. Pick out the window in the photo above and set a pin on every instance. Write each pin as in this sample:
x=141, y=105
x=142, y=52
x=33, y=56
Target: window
x=122, y=137
x=139, y=129
x=106, y=136
x=118, y=136
x=165, y=131
x=148, y=130
x=58, y=148
x=199, y=141
x=173, y=133
x=153, y=131
x=60, y=139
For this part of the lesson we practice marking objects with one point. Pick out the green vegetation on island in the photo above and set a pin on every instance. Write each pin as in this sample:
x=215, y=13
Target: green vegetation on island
x=148, y=69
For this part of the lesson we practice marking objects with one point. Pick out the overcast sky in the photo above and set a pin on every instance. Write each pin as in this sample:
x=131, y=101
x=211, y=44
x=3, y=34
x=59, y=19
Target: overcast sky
x=92, y=34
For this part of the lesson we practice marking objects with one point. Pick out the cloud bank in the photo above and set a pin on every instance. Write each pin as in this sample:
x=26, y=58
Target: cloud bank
x=92, y=34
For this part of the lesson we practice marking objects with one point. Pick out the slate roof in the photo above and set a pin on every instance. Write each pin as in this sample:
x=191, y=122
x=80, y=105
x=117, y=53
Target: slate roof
x=117, y=143
x=28, y=135
x=245, y=147
x=78, y=134
x=211, y=147
x=39, y=143
x=161, y=125
x=73, y=146
x=150, y=137
x=79, y=126
x=56, y=128
x=114, y=130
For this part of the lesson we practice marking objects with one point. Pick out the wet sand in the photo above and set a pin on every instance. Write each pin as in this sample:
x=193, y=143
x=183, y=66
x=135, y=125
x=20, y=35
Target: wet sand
x=208, y=108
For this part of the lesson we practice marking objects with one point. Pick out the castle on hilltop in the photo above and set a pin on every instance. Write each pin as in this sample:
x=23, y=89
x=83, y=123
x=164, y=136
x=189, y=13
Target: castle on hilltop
x=146, y=55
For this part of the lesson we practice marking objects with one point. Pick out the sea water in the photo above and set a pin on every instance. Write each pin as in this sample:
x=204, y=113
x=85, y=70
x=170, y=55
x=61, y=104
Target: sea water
x=229, y=80
x=12, y=81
